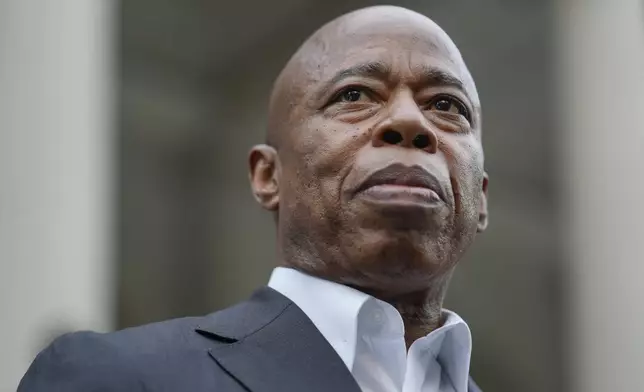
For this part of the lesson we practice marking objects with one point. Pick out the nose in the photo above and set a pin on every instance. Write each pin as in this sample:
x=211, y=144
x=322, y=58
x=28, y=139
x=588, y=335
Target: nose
x=407, y=127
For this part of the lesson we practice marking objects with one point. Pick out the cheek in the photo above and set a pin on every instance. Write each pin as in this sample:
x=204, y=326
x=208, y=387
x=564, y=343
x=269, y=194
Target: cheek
x=323, y=154
x=327, y=146
x=466, y=169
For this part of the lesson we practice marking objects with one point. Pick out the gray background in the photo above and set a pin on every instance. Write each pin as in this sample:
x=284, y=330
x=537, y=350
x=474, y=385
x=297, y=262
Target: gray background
x=194, y=81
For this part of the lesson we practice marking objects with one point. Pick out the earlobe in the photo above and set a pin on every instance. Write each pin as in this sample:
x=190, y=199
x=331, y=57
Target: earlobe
x=264, y=176
x=483, y=214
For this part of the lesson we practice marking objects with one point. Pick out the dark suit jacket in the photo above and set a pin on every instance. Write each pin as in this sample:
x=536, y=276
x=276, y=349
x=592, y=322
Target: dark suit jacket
x=264, y=344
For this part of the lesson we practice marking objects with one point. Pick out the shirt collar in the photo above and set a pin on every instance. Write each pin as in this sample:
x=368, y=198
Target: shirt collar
x=336, y=310
x=451, y=346
x=333, y=308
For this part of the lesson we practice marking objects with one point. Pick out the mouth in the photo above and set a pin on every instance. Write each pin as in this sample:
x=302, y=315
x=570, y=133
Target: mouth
x=403, y=185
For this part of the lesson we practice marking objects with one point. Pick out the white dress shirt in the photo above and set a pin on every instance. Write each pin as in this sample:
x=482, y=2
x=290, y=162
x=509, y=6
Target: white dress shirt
x=369, y=336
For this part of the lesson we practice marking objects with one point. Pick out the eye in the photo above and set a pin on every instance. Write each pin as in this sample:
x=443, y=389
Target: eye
x=450, y=105
x=352, y=94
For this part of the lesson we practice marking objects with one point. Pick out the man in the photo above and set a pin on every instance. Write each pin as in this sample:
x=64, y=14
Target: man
x=373, y=169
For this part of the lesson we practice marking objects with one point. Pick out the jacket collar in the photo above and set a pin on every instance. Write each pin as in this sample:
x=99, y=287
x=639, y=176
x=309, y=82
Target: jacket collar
x=267, y=343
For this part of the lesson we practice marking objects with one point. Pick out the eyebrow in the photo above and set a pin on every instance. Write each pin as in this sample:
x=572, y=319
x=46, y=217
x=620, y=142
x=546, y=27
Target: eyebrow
x=432, y=76
x=375, y=70
x=429, y=75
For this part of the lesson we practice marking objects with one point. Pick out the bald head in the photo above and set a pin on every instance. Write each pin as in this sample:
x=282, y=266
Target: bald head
x=374, y=164
x=346, y=36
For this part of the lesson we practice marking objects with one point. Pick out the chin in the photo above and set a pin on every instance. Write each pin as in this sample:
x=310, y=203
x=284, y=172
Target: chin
x=380, y=256
x=429, y=222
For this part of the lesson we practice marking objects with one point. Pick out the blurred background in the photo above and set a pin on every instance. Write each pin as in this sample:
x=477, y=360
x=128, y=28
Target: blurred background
x=124, y=129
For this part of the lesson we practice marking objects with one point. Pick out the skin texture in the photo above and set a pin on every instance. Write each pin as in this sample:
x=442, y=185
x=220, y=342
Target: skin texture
x=377, y=87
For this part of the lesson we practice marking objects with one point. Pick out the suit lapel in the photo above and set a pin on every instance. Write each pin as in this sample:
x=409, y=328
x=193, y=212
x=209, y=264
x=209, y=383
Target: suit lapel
x=269, y=344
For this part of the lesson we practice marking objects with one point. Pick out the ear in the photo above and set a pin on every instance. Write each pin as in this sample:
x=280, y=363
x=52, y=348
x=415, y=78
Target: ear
x=482, y=225
x=264, y=176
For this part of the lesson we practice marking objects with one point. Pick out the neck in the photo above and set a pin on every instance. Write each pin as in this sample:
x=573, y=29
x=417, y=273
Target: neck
x=420, y=320
x=420, y=309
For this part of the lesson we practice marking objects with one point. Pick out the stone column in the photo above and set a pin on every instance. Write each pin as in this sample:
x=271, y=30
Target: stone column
x=601, y=53
x=56, y=169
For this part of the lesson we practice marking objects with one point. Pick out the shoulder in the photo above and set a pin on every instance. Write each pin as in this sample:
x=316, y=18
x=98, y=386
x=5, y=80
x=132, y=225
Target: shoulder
x=76, y=362
x=164, y=335
x=85, y=361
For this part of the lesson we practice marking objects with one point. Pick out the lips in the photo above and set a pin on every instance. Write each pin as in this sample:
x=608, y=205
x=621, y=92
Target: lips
x=413, y=179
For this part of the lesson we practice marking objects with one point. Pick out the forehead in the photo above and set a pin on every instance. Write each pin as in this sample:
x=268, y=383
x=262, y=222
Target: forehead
x=405, y=34
x=405, y=43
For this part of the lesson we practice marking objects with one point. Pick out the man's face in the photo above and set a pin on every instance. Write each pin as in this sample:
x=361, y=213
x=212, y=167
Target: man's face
x=381, y=164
